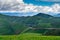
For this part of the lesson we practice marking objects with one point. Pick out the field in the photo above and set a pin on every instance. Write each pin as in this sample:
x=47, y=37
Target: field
x=29, y=36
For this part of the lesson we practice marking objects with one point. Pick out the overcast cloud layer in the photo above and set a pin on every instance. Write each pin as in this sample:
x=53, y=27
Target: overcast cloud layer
x=19, y=5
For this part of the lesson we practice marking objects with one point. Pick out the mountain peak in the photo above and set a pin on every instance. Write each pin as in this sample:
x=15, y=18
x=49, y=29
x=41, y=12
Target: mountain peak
x=43, y=15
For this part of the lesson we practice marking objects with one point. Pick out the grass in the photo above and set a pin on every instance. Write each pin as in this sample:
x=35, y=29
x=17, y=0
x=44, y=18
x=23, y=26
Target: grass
x=29, y=36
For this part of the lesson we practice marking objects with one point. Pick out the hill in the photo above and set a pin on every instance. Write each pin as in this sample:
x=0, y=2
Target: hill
x=43, y=15
x=10, y=25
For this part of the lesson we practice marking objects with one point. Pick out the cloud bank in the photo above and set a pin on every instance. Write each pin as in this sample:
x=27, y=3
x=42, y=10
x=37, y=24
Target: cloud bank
x=19, y=5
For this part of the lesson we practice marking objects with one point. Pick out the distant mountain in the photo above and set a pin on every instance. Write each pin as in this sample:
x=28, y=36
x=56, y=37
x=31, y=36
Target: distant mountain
x=57, y=15
x=43, y=15
x=54, y=14
x=18, y=13
x=31, y=14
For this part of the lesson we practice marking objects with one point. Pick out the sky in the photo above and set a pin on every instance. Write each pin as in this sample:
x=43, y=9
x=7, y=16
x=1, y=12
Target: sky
x=40, y=2
x=37, y=6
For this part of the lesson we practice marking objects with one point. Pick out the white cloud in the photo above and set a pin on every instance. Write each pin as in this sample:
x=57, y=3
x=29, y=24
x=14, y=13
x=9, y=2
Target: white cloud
x=19, y=5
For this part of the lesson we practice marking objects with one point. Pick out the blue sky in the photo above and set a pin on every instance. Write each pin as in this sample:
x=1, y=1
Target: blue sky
x=43, y=3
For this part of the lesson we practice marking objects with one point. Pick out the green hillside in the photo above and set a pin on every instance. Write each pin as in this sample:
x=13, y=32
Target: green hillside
x=10, y=25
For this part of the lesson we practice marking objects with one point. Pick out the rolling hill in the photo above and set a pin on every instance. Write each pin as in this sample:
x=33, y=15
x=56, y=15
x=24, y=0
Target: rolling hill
x=10, y=25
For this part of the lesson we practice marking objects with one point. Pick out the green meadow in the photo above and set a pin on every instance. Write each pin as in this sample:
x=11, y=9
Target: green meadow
x=29, y=36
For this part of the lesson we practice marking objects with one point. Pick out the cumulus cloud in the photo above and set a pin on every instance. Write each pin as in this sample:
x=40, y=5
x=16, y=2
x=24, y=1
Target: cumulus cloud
x=19, y=5
x=9, y=5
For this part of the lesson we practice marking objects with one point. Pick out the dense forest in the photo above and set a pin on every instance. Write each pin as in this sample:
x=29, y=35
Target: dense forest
x=40, y=23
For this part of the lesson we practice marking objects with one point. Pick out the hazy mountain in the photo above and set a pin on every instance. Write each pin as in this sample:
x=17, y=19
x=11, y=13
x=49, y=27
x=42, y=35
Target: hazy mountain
x=57, y=15
x=18, y=13
x=54, y=14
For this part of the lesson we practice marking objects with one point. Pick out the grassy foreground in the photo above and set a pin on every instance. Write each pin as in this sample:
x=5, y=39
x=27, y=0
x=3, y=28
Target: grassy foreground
x=29, y=36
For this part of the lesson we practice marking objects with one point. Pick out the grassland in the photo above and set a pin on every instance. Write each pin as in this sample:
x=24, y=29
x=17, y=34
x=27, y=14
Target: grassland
x=29, y=36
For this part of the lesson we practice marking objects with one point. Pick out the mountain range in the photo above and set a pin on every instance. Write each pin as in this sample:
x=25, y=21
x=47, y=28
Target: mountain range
x=28, y=14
